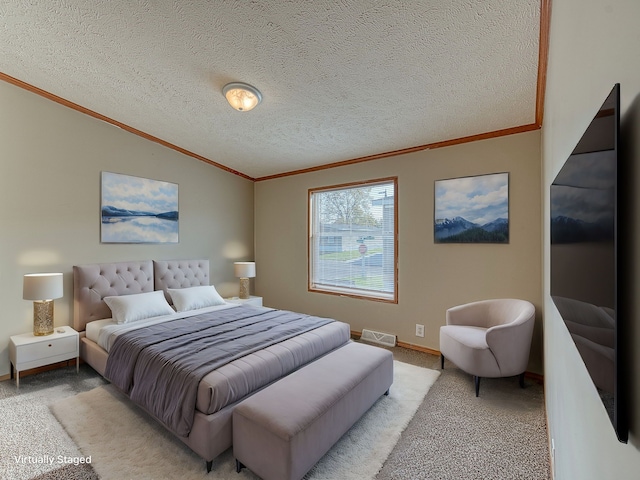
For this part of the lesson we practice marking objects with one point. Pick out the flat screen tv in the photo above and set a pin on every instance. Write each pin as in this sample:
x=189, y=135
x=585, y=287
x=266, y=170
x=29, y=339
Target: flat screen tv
x=585, y=255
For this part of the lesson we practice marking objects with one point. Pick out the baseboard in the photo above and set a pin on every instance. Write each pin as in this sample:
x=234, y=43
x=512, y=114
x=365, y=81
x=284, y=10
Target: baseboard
x=536, y=377
x=419, y=348
x=5, y=377
x=356, y=335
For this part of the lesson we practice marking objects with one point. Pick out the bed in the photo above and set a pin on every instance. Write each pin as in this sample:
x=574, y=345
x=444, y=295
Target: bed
x=270, y=355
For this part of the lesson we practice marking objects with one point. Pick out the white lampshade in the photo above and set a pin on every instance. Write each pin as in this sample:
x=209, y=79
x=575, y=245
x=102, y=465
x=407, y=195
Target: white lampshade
x=245, y=269
x=241, y=96
x=42, y=286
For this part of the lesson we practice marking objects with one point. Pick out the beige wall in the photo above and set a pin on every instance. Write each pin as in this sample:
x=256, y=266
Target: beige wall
x=431, y=277
x=593, y=44
x=51, y=158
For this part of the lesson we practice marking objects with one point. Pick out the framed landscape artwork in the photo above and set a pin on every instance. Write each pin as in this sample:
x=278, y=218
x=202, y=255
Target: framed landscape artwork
x=138, y=210
x=472, y=209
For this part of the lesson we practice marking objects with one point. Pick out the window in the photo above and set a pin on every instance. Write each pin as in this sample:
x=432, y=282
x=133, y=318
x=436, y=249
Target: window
x=352, y=239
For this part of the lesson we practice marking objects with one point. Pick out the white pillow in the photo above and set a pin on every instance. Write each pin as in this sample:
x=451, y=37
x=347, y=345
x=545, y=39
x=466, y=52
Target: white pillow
x=129, y=308
x=192, y=298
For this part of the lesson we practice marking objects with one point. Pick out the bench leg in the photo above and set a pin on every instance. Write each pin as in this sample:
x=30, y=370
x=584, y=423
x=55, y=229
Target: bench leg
x=209, y=466
x=522, y=380
x=387, y=393
x=441, y=362
x=477, y=380
x=239, y=466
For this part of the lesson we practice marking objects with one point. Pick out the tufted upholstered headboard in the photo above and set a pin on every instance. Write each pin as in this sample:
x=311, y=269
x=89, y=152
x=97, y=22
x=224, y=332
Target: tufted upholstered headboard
x=91, y=283
x=180, y=274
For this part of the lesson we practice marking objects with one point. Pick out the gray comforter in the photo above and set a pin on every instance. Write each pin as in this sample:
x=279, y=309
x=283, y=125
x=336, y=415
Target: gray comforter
x=160, y=366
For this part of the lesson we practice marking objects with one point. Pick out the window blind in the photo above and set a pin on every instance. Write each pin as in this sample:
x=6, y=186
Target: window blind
x=352, y=240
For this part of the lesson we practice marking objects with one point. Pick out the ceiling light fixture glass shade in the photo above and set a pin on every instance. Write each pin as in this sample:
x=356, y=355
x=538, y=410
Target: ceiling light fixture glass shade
x=241, y=96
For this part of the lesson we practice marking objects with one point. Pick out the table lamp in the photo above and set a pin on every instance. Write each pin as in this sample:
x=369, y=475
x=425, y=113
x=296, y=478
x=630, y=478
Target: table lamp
x=42, y=288
x=245, y=271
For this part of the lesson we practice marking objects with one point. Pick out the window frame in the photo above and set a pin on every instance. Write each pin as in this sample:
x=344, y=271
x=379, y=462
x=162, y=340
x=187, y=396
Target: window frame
x=346, y=291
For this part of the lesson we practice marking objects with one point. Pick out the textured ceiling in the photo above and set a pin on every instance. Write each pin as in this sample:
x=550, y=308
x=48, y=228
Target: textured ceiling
x=340, y=79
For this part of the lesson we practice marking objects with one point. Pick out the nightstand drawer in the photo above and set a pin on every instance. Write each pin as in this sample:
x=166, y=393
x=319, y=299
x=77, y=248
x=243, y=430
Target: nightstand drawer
x=46, y=348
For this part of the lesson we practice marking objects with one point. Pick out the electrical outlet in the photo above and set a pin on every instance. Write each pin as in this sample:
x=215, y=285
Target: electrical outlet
x=419, y=330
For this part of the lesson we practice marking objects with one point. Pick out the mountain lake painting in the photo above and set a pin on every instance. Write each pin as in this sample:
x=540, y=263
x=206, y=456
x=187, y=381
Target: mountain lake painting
x=138, y=210
x=472, y=209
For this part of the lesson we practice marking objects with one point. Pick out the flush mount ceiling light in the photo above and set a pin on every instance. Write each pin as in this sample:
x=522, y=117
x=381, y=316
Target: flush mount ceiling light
x=241, y=96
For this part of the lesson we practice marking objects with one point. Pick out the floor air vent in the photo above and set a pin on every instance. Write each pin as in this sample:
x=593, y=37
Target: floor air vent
x=385, y=339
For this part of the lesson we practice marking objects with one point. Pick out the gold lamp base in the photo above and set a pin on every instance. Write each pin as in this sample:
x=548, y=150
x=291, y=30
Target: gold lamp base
x=43, y=318
x=244, y=288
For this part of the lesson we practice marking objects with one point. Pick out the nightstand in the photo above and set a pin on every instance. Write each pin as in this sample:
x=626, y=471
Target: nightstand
x=28, y=351
x=252, y=300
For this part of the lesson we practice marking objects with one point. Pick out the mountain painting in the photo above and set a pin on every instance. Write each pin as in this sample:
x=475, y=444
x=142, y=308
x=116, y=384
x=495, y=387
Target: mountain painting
x=138, y=210
x=472, y=209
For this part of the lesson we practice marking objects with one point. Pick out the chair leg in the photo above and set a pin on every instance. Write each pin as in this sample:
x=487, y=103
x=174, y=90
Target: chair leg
x=477, y=381
x=522, y=380
x=441, y=362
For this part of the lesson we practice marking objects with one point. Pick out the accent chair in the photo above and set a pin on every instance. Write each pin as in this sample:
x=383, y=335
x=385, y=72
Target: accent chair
x=489, y=338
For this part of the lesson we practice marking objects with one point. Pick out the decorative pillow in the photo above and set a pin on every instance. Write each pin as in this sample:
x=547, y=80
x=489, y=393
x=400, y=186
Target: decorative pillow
x=192, y=298
x=129, y=308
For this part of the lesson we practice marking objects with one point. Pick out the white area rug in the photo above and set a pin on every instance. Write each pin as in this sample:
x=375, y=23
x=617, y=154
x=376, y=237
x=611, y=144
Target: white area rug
x=124, y=442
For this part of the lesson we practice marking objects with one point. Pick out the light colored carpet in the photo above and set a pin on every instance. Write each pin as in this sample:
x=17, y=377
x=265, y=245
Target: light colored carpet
x=124, y=442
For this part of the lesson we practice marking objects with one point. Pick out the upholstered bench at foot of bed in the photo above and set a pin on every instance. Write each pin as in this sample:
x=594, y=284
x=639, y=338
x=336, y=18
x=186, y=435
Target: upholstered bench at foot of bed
x=282, y=431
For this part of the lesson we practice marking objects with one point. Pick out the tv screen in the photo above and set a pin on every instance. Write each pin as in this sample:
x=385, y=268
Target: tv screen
x=584, y=254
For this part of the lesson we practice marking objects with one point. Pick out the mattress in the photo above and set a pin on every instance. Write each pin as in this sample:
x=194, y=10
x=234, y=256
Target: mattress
x=109, y=331
x=238, y=378
x=93, y=328
x=243, y=376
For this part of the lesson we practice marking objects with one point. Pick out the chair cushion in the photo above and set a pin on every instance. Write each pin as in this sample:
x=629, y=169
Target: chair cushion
x=472, y=337
x=467, y=348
